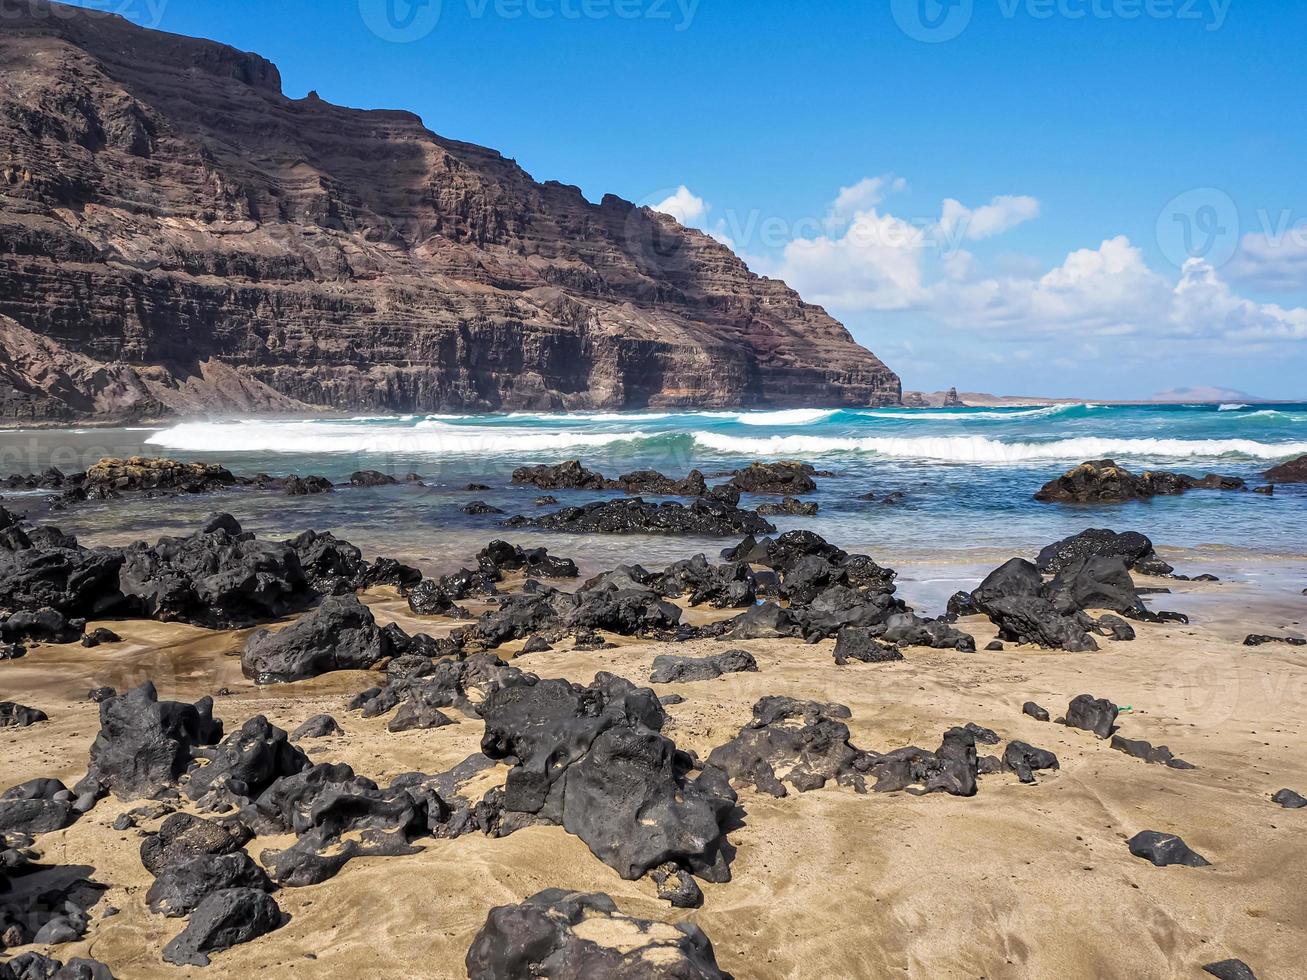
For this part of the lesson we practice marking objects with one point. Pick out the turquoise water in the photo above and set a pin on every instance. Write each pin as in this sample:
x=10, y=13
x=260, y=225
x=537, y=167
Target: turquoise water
x=967, y=476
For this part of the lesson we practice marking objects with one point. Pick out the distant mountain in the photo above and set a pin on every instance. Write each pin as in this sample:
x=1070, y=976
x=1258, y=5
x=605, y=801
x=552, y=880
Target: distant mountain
x=1227, y=395
x=175, y=233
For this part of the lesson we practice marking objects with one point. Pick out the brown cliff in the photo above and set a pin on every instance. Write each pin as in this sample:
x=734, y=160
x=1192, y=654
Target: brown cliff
x=168, y=215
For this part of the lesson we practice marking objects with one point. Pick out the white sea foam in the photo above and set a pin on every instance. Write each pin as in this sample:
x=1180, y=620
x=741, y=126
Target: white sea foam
x=931, y=415
x=796, y=416
x=1234, y=407
x=981, y=449
x=428, y=437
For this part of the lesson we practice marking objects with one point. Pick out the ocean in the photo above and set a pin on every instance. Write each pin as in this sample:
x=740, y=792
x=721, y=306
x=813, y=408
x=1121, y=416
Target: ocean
x=966, y=479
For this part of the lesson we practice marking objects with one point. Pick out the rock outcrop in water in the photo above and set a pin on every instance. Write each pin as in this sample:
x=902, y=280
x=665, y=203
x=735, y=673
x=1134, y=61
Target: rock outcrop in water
x=1292, y=471
x=175, y=233
x=1103, y=481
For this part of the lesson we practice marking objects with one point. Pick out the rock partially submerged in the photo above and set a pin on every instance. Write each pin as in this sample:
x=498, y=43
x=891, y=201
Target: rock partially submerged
x=703, y=517
x=1290, y=471
x=1103, y=481
x=786, y=478
x=1134, y=549
x=154, y=473
x=570, y=475
x=561, y=934
x=789, y=507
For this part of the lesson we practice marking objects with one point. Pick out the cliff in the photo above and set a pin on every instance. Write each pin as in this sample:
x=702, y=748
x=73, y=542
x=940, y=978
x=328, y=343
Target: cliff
x=176, y=234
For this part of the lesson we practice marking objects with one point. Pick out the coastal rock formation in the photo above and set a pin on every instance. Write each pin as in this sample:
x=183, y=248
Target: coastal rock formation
x=1103, y=481
x=704, y=517
x=1133, y=548
x=1292, y=471
x=175, y=233
x=556, y=933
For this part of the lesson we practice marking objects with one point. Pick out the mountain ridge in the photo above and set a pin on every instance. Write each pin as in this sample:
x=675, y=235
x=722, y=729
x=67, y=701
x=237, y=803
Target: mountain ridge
x=163, y=206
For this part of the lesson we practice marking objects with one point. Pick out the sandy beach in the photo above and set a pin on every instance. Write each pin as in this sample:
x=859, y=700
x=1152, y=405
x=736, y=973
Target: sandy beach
x=1019, y=881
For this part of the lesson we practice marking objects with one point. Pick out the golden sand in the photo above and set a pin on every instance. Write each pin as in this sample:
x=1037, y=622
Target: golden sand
x=1020, y=881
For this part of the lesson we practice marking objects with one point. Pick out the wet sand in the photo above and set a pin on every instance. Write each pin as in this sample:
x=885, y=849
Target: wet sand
x=1019, y=881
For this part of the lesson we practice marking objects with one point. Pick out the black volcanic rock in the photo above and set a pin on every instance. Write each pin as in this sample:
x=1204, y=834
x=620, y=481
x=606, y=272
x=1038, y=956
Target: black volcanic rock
x=1292, y=471
x=1096, y=715
x=455, y=280
x=1165, y=849
x=1230, y=970
x=541, y=937
x=789, y=479
x=1133, y=548
x=1103, y=481
x=341, y=634
x=145, y=744
x=703, y=517
x=14, y=715
x=224, y=919
x=668, y=669
x=1290, y=800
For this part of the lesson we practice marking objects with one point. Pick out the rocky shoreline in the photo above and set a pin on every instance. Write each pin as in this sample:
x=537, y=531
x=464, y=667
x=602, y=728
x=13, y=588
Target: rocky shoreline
x=481, y=649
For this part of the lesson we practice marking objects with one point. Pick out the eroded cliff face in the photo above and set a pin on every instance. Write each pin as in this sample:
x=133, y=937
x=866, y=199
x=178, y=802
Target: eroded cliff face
x=166, y=213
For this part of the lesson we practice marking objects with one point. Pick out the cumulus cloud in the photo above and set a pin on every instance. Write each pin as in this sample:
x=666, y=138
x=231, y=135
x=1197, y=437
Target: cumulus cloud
x=870, y=260
x=685, y=206
x=875, y=265
x=1205, y=305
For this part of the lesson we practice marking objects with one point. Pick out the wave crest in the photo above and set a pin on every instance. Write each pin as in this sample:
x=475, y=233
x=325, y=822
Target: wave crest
x=982, y=449
x=427, y=438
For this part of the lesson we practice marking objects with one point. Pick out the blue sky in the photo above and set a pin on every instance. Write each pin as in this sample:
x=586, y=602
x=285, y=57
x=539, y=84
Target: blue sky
x=1071, y=197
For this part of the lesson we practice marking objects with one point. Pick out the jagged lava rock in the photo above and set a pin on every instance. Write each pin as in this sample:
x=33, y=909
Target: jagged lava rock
x=563, y=934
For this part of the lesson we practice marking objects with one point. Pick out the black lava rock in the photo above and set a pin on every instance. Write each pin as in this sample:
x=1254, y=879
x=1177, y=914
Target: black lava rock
x=1165, y=849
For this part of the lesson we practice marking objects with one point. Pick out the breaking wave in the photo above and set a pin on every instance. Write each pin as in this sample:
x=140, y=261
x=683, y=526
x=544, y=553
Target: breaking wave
x=429, y=438
x=797, y=416
x=932, y=415
x=981, y=449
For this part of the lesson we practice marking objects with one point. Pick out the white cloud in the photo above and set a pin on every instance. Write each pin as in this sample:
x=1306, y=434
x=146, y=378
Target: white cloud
x=687, y=208
x=1204, y=305
x=1272, y=261
x=876, y=265
x=862, y=196
x=958, y=222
